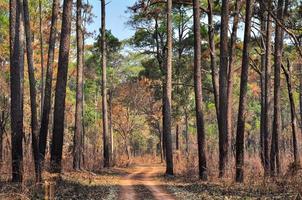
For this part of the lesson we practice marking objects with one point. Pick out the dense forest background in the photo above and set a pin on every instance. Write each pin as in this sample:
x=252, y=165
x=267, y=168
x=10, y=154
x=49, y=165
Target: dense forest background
x=211, y=88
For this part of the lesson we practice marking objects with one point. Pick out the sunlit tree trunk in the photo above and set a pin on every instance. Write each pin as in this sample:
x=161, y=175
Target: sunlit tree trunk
x=243, y=94
x=168, y=93
x=59, y=107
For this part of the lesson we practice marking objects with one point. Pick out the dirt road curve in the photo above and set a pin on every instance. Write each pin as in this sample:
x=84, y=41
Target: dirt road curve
x=143, y=176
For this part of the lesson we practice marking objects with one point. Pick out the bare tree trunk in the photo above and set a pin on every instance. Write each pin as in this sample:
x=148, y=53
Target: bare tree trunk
x=232, y=56
x=275, y=161
x=48, y=86
x=104, y=89
x=223, y=82
x=42, y=55
x=243, y=94
x=288, y=75
x=59, y=107
x=78, y=134
x=214, y=67
x=267, y=122
x=198, y=93
x=168, y=93
x=187, y=132
x=32, y=87
x=16, y=78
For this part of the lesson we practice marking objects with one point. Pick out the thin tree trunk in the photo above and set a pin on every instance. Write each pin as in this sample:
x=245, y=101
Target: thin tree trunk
x=48, y=86
x=187, y=132
x=177, y=137
x=223, y=82
x=59, y=107
x=111, y=127
x=104, y=89
x=214, y=67
x=198, y=93
x=78, y=133
x=168, y=92
x=288, y=75
x=32, y=87
x=16, y=69
x=42, y=55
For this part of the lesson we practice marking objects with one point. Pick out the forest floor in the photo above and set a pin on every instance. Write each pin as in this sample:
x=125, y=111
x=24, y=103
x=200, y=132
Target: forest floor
x=147, y=181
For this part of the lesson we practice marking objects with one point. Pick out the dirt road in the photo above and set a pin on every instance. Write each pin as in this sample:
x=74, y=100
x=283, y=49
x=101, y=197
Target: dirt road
x=141, y=183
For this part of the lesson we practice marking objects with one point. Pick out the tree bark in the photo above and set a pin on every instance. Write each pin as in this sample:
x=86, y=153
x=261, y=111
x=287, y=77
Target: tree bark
x=168, y=93
x=243, y=94
x=214, y=67
x=48, y=84
x=198, y=93
x=232, y=56
x=32, y=88
x=288, y=75
x=59, y=107
x=223, y=82
x=104, y=89
x=42, y=55
x=267, y=122
x=275, y=161
x=16, y=78
x=78, y=133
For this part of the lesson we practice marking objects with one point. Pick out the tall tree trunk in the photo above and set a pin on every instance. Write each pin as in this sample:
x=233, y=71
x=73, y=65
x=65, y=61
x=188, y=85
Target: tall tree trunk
x=267, y=122
x=214, y=67
x=288, y=75
x=104, y=89
x=59, y=107
x=32, y=88
x=168, y=93
x=275, y=161
x=78, y=133
x=243, y=94
x=198, y=93
x=48, y=86
x=42, y=55
x=223, y=82
x=232, y=56
x=16, y=70
x=262, y=18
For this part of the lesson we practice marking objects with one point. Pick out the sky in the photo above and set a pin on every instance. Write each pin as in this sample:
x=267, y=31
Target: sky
x=116, y=18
